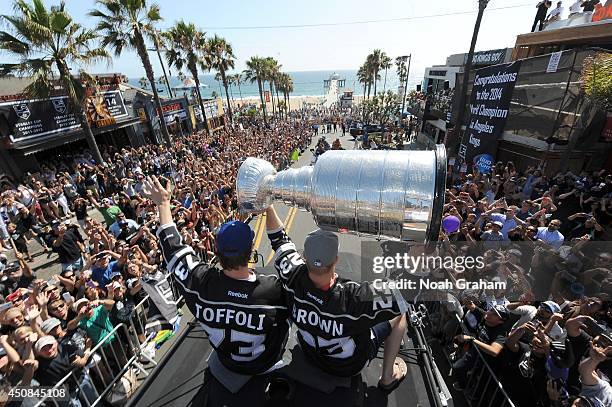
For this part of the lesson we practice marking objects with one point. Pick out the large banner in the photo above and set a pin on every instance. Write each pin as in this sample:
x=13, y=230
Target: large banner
x=33, y=118
x=489, y=106
x=104, y=108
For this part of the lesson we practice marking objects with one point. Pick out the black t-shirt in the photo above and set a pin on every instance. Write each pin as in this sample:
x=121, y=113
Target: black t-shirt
x=525, y=391
x=51, y=371
x=68, y=250
x=9, y=285
x=122, y=310
x=80, y=209
x=333, y=326
x=246, y=321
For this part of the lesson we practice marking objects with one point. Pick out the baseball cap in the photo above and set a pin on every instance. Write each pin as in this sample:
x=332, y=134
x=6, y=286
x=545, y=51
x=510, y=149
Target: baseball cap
x=79, y=303
x=44, y=341
x=234, y=238
x=55, y=223
x=320, y=248
x=501, y=312
x=49, y=324
x=551, y=306
x=115, y=274
x=498, y=223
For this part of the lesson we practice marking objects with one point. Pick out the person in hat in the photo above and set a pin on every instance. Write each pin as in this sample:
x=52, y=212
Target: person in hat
x=55, y=361
x=339, y=328
x=14, y=275
x=547, y=314
x=244, y=313
x=490, y=337
x=74, y=338
x=492, y=235
x=106, y=208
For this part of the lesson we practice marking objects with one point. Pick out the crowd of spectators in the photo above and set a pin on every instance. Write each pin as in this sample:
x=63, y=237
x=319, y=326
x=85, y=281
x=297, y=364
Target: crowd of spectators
x=546, y=333
x=49, y=327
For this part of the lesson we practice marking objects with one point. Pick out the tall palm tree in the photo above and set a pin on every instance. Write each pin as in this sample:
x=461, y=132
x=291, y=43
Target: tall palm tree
x=376, y=58
x=256, y=72
x=385, y=63
x=284, y=83
x=363, y=77
x=220, y=57
x=125, y=24
x=238, y=80
x=272, y=70
x=288, y=84
x=42, y=40
x=186, y=43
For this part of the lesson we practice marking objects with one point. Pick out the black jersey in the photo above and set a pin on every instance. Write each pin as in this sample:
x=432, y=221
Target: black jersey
x=333, y=326
x=246, y=321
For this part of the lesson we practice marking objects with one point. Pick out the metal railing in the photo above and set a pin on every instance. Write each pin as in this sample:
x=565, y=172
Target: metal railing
x=117, y=353
x=111, y=359
x=482, y=388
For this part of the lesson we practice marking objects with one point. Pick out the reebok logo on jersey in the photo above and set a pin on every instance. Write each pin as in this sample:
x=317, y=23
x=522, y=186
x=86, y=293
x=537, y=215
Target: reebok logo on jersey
x=239, y=295
x=320, y=301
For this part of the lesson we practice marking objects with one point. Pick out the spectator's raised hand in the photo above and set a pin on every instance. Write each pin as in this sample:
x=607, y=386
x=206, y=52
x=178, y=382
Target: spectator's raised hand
x=155, y=191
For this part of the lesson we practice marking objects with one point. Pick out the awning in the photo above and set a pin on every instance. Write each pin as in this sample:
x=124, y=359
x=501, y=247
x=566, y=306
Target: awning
x=46, y=143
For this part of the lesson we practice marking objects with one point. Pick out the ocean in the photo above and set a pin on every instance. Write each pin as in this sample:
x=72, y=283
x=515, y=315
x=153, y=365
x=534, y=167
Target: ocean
x=305, y=83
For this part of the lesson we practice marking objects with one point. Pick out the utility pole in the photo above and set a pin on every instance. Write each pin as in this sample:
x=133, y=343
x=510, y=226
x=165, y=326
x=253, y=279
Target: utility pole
x=156, y=49
x=482, y=4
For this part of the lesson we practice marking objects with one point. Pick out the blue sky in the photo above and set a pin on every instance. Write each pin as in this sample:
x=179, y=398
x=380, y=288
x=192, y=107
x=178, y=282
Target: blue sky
x=430, y=40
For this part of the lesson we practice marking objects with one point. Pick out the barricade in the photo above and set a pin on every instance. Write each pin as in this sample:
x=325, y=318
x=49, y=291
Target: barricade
x=110, y=360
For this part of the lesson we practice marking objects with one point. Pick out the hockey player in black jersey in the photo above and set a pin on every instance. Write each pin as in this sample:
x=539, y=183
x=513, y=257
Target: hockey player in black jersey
x=340, y=323
x=243, y=313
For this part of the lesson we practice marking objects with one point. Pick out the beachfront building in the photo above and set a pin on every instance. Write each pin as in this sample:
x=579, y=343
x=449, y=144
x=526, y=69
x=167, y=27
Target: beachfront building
x=32, y=130
x=550, y=123
x=432, y=102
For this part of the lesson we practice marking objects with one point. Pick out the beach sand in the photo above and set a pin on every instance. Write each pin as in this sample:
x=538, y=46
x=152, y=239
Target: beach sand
x=295, y=102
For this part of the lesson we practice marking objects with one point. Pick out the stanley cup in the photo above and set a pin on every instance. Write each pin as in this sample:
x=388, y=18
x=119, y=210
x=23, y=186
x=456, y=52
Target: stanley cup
x=384, y=193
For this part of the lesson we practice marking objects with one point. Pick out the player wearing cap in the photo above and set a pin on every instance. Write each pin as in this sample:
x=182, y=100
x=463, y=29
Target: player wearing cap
x=243, y=313
x=341, y=323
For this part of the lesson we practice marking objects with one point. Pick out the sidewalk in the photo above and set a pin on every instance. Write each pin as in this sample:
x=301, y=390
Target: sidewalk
x=45, y=264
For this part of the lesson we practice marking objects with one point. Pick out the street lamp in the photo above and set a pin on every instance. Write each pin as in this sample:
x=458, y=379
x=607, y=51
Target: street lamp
x=482, y=4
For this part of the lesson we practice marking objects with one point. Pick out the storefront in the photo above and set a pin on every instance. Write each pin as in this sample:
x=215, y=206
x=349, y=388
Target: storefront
x=32, y=130
x=215, y=114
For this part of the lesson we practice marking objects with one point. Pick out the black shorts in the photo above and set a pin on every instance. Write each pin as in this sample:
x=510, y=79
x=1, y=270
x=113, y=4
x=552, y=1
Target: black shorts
x=379, y=333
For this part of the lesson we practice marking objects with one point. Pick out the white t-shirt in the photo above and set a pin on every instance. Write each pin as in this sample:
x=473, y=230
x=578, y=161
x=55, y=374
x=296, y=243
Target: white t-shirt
x=602, y=391
x=554, y=239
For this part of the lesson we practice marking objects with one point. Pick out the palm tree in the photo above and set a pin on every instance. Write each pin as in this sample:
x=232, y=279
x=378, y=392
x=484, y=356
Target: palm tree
x=220, y=57
x=363, y=77
x=272, y=70
x=186, y=43
x=256, y=72
x=237, y=78
x=376, y=59
x=288, y=85
x=125, y=24
x=385, y=63
x=143, y=82
x=42, y=39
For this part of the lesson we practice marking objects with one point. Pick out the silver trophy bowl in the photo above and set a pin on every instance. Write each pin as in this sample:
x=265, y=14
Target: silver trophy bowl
x=396, y=194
